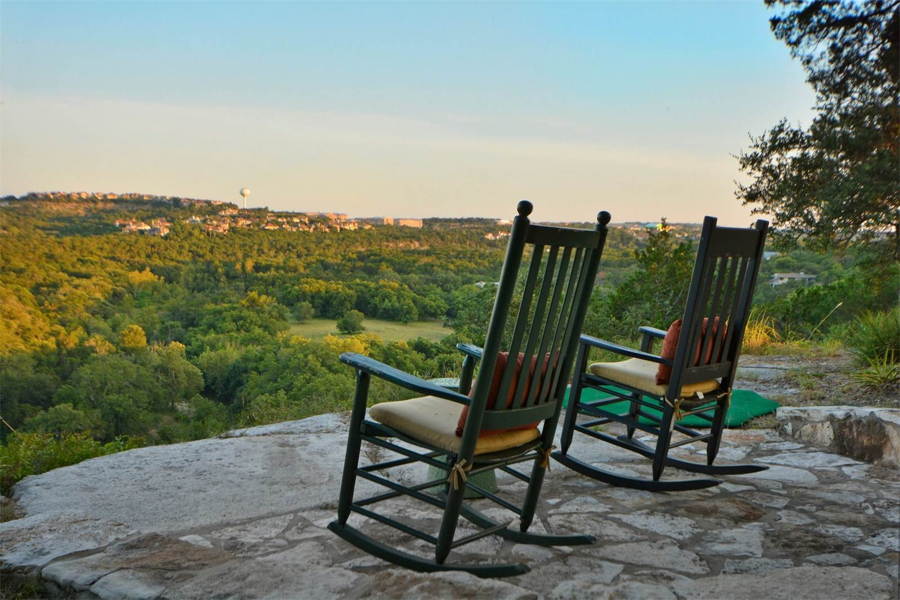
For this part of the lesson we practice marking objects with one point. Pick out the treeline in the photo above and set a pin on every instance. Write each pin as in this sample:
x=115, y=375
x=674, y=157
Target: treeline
x=174, y=338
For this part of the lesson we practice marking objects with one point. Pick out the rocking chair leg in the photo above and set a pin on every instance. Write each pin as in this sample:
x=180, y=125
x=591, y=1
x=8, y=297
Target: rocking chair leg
x=354, y=440
x=712, y=446
x=449, y=522
x=531, y=496
x=662, y=442
x=633, y=410
x=565, y=439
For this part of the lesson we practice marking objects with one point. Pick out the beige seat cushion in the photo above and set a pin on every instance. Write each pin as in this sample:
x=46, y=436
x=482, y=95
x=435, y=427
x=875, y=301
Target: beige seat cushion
x=641, y=374
x=433, y=420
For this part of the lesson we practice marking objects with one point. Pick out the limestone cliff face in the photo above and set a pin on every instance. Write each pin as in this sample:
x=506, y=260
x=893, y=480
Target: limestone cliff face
x=245, y=515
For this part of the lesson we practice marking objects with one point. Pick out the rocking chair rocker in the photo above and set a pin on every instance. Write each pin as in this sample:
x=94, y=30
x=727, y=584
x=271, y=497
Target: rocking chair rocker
x=692, y=376
x=494, y=427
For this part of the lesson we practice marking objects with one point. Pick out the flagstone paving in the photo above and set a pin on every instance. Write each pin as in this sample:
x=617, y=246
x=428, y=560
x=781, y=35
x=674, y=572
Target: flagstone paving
x=245, y=516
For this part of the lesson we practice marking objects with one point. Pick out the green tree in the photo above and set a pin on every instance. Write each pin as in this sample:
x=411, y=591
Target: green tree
x=121, y=392
x=60, y=419
x=834, y=183
x=654, y=294
x=223, y=373
x=304, y=311
x=351, y=322
x=175, y=376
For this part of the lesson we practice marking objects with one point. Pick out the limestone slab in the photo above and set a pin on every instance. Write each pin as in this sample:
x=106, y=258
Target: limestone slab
x=603, y=529
x=809, y=460
x=127, y=585
x=746, y=541
x=787, y=475
x=36, y=540
x=662, y=554
x=581, y=504
x=407, y=585
x=666, y=524
x=848, y=534
x=253, y=524
x=755, y=565
x=195, y=484
x=782, y=584
x=832, y=558
x=889, y=539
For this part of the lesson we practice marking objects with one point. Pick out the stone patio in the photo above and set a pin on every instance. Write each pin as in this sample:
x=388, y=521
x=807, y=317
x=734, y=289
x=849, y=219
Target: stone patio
x=244, y=516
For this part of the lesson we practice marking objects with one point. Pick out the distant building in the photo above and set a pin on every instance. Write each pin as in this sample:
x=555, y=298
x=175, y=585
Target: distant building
x=770, y=254
x=782, y=278
x=377, y=220
x=408, y=222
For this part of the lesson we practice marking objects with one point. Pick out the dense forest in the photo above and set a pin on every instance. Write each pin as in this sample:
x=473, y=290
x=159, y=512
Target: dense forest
x=111, y=340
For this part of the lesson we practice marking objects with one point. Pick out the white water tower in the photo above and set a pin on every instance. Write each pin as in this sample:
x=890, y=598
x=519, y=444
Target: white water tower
x=244, y=193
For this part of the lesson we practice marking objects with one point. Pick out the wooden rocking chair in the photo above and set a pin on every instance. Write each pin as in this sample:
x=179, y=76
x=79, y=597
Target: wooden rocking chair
x=693, y=374
x=466, y=435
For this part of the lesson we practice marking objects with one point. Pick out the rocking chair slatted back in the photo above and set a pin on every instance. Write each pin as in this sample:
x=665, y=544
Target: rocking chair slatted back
x=718, y=304
x=557, y=277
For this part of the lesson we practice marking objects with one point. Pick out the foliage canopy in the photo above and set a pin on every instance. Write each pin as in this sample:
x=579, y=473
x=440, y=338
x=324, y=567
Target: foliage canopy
x=835, y=183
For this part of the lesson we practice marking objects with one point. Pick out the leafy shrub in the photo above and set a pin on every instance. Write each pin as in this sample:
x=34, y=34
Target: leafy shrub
x=881, y=372
x=304, y=311
x=654, y=294
x=815, y=309
x=876, y=337
x=34, y=453
x=351, y=322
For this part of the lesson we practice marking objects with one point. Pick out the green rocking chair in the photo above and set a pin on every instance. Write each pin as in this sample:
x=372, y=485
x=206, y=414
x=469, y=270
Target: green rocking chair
x=467, y=435
x=692, y=375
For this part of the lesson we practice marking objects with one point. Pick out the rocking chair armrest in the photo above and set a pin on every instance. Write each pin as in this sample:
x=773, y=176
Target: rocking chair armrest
x=651, y=331
x=623, y=350
x=401, y=378
x=468, y=349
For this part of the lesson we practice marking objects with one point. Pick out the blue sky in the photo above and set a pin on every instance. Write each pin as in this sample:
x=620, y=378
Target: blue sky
x=403, y=109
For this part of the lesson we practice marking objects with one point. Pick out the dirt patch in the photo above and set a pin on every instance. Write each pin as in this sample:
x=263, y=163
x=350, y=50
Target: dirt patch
x=9, y=510
x=731, y=509
x=801, y=542
x=809, y=381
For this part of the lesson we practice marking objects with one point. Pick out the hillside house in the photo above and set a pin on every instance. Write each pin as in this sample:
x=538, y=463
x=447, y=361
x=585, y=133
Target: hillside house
x=782, y=278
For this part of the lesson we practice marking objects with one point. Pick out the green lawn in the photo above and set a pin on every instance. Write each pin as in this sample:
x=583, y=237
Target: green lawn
x=387, y=330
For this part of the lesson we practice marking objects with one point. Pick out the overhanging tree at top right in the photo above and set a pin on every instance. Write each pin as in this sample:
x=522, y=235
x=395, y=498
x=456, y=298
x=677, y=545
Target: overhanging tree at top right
x=835, y=184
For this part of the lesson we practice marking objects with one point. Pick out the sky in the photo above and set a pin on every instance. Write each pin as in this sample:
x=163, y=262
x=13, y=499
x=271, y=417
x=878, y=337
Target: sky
x=409, y=109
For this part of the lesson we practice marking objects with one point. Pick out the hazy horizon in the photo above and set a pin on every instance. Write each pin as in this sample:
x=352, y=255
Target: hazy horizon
x=412, y=110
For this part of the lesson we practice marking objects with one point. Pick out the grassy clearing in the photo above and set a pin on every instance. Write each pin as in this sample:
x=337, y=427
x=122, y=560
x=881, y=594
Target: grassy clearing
x=387, y=330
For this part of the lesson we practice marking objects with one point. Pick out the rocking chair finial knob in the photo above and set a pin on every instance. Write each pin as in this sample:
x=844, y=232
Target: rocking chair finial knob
x=524, y=208
x=603, y=217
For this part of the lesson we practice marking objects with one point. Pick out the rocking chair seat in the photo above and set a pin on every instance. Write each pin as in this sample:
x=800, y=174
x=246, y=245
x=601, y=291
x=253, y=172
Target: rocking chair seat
x=641, y=374
x=433, y=420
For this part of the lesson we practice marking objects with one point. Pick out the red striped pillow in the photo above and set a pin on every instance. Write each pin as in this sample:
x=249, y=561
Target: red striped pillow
x=670, y=342
x=499, y=368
